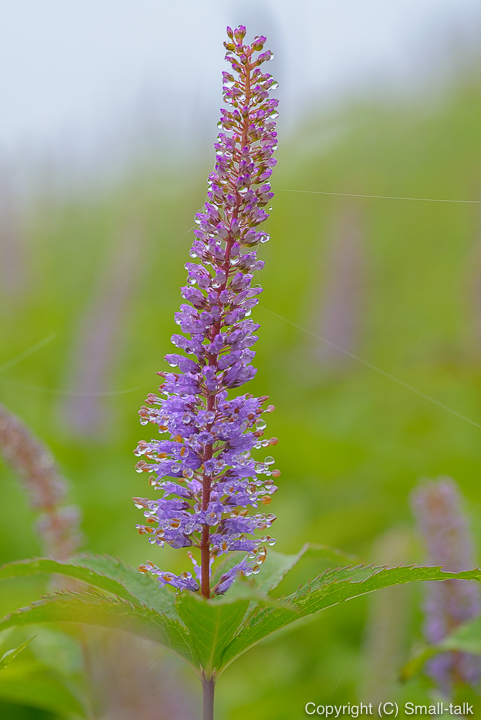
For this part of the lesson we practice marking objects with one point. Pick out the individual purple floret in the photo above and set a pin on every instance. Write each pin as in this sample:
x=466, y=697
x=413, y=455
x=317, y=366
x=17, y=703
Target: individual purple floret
x=204, y=468
x=437, y=506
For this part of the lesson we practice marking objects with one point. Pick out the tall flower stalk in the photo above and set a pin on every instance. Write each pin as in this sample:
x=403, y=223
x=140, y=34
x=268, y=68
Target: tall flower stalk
x=58, y=523
x=98, y=341
x=204, y=469
x=444, y=527
x=342, y=302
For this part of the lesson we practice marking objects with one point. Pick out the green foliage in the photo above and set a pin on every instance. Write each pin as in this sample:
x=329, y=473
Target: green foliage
x=97, y=609
x=212, y=627
x=277, y=565
x=10, y=655
x=208, y=634
x=32, y=684
x=45, y=677
x=466, y=638
x=103, y=572
x=329, y=589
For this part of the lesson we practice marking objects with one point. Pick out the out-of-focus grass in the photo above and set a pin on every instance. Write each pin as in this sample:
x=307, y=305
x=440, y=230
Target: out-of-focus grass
x=352, y=444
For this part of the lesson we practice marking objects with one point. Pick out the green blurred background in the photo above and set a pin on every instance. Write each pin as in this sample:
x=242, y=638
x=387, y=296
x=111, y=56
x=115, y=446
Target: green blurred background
x=394, y=281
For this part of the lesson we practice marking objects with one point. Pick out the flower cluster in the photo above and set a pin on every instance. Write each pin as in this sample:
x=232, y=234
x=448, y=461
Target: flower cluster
x=204, y=468
x=58, y=524
x=446, y=534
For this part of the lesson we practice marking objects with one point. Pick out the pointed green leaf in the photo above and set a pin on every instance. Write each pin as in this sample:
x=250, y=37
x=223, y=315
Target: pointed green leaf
x=212, y=625
x=331, y=588
x=277, y=565
x=10, y=655
x=274, y=569
x=329, y=553
x=103, y=572
x=97, y=609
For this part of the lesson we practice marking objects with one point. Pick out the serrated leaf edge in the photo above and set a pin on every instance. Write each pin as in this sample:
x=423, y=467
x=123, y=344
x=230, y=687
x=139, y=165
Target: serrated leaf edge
x=86, y=598
x=76, y=562
x=258, y=612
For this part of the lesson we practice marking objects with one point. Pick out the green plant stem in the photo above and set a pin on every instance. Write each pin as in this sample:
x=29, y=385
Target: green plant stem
x=208, y=686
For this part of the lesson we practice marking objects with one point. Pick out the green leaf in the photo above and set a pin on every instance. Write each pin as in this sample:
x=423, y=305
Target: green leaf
x=216, y=631
x=210, y=636
x=142, y=586
x=274, y=569
x=212, y=625
x=103, y=572
x=466, y=638
x=10, y=655
x=331, y=588
x=416, y=663
x=329, y=553
x=97, y=609
x=28, y=683
x=277, y=565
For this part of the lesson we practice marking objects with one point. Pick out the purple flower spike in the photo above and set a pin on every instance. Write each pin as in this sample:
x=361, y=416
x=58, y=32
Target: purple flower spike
x=444, y=527
x=203, y=463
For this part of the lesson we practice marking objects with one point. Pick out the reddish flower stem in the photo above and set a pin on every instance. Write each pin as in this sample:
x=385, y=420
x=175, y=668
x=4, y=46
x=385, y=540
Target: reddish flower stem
x=212, y=398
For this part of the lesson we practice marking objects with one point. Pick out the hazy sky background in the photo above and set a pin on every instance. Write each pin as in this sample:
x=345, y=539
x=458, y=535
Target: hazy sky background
x=78, y=77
